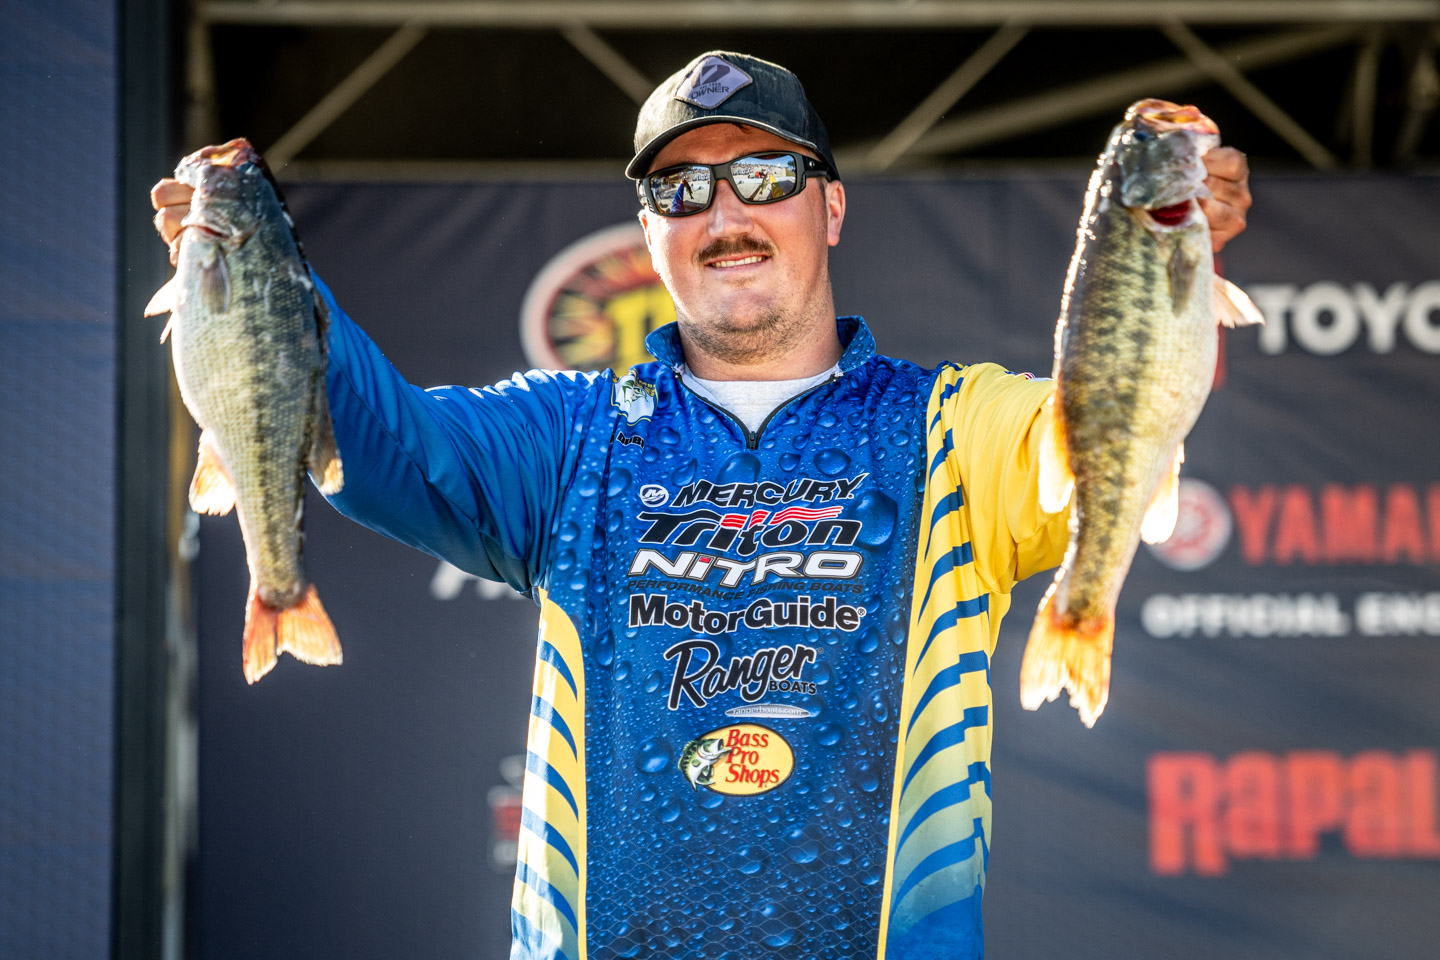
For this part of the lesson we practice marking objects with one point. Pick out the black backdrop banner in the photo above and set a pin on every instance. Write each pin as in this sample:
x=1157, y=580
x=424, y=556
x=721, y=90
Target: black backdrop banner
x=1264, y=780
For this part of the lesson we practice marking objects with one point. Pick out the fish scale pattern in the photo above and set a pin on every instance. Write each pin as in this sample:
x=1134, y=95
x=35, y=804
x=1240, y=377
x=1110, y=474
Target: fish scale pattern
x=760, y=721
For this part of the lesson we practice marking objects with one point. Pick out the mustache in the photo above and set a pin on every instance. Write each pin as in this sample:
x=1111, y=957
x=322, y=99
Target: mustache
x=726, y=247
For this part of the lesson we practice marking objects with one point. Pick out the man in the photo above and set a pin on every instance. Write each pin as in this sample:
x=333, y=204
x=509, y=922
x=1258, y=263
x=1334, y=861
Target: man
x=771, y=568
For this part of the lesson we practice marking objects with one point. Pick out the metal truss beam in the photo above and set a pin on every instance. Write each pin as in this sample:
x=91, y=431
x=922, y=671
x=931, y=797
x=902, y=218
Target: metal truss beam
x=1115, y=90
x=945, y=96
x=1225, y=73
x=810, y=14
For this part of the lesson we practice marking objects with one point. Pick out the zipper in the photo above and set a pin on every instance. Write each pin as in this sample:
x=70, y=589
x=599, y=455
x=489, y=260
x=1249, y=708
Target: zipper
x=752, y=437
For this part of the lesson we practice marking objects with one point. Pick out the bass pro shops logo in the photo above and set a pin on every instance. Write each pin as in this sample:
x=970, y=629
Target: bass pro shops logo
x=593, y=304
x=738, y=761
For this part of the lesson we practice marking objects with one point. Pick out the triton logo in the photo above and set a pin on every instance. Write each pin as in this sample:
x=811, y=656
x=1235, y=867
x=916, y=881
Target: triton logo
x=745, y=533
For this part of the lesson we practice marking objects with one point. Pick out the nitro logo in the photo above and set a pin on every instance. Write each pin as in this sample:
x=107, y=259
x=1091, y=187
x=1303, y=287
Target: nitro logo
x=745, y=533
x=700, y=676
x=768, y=493
x=650, y=610
x=785, y=564
x=739, y=761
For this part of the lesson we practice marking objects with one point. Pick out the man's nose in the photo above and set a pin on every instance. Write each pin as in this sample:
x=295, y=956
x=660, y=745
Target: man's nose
x=727, y=214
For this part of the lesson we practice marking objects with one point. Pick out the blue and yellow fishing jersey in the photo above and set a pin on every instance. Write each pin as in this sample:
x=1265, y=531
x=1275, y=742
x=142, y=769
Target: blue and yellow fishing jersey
x=761, y=718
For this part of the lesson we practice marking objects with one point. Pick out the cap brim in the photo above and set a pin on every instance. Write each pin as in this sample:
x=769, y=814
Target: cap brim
x=638, y=166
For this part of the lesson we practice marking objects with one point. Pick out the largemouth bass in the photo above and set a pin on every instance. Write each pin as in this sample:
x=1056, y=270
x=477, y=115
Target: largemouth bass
x=247, y=337
x=1135, y=351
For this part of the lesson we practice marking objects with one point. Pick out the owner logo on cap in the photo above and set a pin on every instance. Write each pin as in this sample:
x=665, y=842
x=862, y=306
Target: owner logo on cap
x=711, y=83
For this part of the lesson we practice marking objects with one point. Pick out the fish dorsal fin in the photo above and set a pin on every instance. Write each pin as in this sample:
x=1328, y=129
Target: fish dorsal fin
x=1164, y=510
x=1232, y=307
x=1056, y=481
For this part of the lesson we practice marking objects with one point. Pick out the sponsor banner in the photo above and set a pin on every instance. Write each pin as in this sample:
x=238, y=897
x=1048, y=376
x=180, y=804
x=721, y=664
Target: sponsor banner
x=1267, y=759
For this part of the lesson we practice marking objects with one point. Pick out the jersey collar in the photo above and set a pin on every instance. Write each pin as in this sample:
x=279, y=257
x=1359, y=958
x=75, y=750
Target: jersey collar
x=855, y=338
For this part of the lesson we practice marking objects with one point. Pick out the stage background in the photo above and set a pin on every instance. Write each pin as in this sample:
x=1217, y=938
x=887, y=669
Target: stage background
x=364, y=811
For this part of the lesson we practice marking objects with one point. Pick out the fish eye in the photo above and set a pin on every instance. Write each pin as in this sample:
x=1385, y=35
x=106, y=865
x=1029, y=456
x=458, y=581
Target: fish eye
x=1141, y=134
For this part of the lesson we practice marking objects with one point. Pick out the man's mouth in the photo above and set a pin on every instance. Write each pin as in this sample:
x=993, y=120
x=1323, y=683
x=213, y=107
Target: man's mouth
x=736, y=262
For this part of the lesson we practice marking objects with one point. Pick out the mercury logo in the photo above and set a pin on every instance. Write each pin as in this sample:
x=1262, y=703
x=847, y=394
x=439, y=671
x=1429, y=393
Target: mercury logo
x=654, y=495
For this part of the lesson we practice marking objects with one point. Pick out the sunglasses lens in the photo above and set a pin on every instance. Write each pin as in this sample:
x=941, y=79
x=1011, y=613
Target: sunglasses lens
x=765, y=177
x=682, y=190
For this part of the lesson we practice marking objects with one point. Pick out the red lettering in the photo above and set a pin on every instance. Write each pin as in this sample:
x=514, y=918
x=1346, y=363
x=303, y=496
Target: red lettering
x=1252, y=811
x=1420, y=781
x=1372, y=828
x=1252, y=516
x=1182, y=791
x=1403, y=531
x=1313, y=781
x=1295, y=531
x=1432, y=507
x=1349, y=520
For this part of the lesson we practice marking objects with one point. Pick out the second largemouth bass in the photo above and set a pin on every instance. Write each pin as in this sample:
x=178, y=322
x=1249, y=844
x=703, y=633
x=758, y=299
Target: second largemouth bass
x=1135, y=352
x=248, y=341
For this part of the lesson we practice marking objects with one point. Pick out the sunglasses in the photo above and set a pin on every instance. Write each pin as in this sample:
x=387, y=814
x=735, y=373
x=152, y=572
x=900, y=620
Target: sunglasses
x=688, y=188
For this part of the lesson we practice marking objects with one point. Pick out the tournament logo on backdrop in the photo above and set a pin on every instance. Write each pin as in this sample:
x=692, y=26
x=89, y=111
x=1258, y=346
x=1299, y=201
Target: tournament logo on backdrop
x=593, y=304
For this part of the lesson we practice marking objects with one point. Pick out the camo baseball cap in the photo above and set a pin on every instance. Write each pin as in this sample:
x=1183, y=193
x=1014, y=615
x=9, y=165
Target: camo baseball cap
x=724, y=87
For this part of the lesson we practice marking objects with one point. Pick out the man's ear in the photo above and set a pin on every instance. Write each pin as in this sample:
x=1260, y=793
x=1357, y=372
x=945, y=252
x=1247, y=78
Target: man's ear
x=834, y=210
x=642, y=214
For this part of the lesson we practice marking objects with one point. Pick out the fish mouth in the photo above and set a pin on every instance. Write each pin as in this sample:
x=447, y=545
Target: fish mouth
x=1164, y=116
x=1169, y=217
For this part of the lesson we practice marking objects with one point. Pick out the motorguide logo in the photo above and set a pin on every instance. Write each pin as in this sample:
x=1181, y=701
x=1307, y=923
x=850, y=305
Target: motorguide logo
x=740, y=760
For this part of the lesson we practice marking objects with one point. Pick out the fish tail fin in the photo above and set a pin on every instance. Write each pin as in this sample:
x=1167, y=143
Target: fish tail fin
x=1064, y=653
x=257, y=653
x=306, y=633
x=1233, y=308
x=1164, y=510
x=324, y=459
x=210, y=489
x=1056, y=481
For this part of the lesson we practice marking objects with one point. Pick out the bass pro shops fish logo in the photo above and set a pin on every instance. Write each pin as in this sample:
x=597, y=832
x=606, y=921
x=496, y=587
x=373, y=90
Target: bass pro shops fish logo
x=739, y=760
x=593, y=304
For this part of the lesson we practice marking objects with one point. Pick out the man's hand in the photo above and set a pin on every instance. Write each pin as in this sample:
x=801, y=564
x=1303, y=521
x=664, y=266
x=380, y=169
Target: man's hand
x=171, y=199
x=1229, y=183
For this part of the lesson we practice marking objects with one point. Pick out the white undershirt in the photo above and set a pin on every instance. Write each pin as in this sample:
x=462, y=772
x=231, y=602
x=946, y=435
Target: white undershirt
x=753, y=400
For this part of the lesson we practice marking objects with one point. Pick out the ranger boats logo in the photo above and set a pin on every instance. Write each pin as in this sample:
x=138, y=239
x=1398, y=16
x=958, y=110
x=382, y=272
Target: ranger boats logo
x=738, y=761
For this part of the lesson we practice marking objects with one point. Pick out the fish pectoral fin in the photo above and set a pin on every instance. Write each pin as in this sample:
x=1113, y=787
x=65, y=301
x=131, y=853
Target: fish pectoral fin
x=211, y=490
x=1056, y=481
x=1164, y=510
x=162, y=302
x=215, y=283
x=324, y=459
x=1181, y=269
x=1233, y=308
